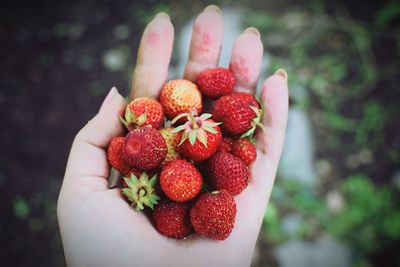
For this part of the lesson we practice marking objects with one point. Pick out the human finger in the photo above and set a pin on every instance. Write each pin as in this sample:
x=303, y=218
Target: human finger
x=246, y=60
x=206, y=42
x=153, y=57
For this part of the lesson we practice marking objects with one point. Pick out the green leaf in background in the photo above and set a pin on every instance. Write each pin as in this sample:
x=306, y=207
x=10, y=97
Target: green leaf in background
x=388, y=13
x=371, y=215
x=21, y=207
x=272, y=225
x=35, y=225
x=340, y=123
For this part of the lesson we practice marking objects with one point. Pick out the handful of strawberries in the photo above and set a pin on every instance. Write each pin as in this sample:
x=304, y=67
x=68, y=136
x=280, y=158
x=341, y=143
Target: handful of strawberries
x=189, y=171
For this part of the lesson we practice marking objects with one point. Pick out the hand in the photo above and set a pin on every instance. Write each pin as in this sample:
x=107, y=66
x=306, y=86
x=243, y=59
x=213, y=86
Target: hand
x=99, y=228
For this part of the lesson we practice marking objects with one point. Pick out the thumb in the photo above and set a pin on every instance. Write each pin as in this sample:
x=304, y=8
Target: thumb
x=105, y=125
x=87, y=164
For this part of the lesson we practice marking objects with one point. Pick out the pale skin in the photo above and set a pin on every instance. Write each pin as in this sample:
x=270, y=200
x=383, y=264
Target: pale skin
x=99, y=228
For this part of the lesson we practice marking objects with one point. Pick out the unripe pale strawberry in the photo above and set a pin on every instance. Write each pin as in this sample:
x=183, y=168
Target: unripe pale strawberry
x=172, y=140
x=180, y=96
x=143, y=111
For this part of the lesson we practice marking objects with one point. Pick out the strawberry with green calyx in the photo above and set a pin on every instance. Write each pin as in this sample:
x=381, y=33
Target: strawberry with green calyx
x=137, y=172
x=140, y=192
x=143, y=111
x=256, y=122
x=240, y=114
x=200, y=136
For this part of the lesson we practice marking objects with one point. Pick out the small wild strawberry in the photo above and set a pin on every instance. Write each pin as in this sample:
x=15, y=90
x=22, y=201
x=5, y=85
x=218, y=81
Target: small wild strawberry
x=180, y=180
x=143, y=111
x=213, y=215
x=115, y=155
x=245, y=150
x=199, y=137
x=216, y=82
x=172, y=219
x=180, y=96
x=144, y=148
x=239, y=113
x=226, y=171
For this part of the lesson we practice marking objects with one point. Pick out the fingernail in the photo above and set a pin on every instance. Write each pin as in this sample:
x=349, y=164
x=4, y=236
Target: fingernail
x=213, y=8
x=253, y=31
x=163, y=15
x=109, y=96
x=282, y=73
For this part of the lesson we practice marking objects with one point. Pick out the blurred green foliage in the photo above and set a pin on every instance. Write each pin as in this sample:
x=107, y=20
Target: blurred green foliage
x=388, y=13
x=143, y=16
x=21, y=207
x=368, y=218
x=331, y=56
x=342, y=64
x=273, y=230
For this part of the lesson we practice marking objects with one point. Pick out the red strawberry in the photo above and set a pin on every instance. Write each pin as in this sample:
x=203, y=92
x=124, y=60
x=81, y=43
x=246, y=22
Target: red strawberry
x=180, y=96
x=226, y=144
x=172, y=219
x=145, y=148
x=180, y=180
x=200, y=137
x=115, y=156
x=216, y=82
x=238, y=112
x=245, y=150
x=143, y=111
x=172, y=140
x=214, y=214
x=140, y=191
x=225, y=171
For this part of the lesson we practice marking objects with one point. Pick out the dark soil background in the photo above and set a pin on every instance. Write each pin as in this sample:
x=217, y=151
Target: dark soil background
x=53, y=78
x=52, y=82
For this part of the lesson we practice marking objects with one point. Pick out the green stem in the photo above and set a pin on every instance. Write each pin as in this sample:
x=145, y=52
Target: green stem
x=142, y=192
x=194, y=123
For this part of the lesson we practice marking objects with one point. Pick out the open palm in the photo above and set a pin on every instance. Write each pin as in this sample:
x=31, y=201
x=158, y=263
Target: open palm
x=99, y=228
